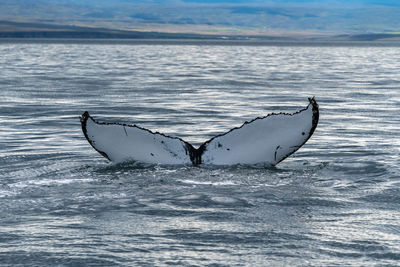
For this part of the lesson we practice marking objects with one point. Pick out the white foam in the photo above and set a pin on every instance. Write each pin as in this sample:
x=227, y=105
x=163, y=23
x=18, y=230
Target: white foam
x=47, y=182
x=187, y=181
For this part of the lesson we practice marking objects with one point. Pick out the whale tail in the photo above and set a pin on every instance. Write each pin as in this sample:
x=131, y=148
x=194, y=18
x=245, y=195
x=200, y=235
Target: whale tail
x=263, y=140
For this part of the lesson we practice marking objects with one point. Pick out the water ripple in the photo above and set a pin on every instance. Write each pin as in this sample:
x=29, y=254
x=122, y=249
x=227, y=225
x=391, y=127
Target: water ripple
x=334, y=202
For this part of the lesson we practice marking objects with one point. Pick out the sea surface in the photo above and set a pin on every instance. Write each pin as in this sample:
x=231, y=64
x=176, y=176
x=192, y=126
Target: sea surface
x=335, y=202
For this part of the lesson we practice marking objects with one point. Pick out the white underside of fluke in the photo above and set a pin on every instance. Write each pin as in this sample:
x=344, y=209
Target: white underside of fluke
x=123, y=143
x=266, y=140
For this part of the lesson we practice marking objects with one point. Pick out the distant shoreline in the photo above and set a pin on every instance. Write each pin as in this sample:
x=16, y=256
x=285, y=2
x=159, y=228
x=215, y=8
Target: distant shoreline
x=35, y=32
x=214, y=42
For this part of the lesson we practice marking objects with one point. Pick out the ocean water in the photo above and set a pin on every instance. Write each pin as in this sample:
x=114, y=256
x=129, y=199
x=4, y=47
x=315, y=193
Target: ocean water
x=335, y=202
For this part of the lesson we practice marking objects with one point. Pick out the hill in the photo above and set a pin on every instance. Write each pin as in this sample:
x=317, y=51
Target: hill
x=213, y=17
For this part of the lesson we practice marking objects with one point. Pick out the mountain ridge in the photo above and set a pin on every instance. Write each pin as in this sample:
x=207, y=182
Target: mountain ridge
x=213, y=17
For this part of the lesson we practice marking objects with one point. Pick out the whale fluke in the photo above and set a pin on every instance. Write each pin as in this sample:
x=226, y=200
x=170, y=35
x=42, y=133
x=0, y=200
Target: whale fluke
x=264, y=140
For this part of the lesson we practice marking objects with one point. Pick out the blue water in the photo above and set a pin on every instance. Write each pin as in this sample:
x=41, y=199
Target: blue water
x=335, y=202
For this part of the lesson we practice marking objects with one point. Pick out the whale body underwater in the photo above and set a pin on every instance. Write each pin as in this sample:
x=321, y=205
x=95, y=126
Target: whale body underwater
x=264, y=140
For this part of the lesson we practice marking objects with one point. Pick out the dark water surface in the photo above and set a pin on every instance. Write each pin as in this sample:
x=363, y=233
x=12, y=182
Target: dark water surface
x=336, y=202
